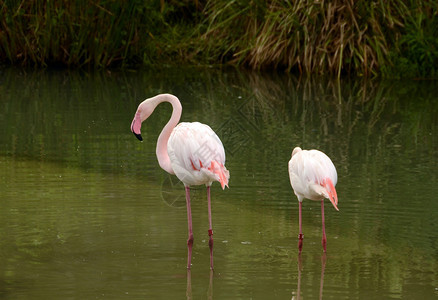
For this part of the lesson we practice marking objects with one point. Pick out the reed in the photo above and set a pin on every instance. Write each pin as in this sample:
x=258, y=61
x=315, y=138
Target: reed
x=320, y=36
x=395, y=38
x=75, y=33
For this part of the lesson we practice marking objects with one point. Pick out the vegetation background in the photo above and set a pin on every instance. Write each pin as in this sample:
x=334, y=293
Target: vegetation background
x=389, y=38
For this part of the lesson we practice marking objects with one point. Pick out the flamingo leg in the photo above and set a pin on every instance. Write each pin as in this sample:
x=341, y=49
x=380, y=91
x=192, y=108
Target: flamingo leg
x=300, y=236
x=189, y=221
x=324, y=238
x=210, y=230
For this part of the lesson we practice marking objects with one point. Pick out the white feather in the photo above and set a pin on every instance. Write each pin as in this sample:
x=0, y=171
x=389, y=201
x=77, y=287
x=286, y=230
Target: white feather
x=307, y=171
x=191, y=149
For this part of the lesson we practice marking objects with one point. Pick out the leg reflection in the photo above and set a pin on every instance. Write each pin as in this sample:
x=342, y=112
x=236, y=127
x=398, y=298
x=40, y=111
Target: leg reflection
x=300, y=267
x=210, y=286
x=321, y=283
x=189, y=285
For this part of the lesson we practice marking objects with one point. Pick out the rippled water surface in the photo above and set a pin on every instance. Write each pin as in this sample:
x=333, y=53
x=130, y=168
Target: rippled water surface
x=86, y=211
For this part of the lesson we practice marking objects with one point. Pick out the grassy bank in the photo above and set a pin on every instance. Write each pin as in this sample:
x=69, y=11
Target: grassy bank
x=391, y=38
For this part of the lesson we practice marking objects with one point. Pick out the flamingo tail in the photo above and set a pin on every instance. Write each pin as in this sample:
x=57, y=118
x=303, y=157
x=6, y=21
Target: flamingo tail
x=331, y=192
x=221, y=172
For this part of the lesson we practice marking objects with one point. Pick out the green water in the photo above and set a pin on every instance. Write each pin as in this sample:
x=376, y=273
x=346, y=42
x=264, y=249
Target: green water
x=86, y=212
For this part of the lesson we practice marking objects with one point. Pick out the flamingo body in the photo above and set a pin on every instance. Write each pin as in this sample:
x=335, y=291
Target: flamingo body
x=310, y=172
x=191, y=151
x=197, y=155
x=313, y=176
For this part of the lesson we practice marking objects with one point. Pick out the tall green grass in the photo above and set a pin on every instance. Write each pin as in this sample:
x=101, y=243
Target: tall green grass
x=79, y=32
x=395, y=38
x=322, y=36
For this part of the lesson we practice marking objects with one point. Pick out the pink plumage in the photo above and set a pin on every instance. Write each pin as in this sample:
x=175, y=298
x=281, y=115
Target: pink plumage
x=197, y=155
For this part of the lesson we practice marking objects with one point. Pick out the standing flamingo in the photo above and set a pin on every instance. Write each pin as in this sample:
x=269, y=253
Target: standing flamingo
x=313, y=176
x=191, y=151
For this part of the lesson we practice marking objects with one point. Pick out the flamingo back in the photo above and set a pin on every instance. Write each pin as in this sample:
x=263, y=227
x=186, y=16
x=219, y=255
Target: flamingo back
x=310, y=172
x=197, y=154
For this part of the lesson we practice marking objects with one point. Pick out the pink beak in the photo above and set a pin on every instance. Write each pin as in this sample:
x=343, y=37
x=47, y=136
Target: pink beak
x=136, y=125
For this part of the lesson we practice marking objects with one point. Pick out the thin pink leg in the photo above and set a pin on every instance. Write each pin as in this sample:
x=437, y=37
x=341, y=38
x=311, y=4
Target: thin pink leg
x=324, y=238
x=300, y=236
x=189, y=221
x=210, y=230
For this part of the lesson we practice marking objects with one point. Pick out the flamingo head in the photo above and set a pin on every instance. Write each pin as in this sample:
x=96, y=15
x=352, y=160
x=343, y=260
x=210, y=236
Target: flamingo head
x=295, y=151
x=136, y=126
x=144, y=110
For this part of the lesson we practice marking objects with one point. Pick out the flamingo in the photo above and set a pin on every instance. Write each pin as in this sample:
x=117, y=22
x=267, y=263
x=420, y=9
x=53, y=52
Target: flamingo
x=313, y=176
x=191, y=151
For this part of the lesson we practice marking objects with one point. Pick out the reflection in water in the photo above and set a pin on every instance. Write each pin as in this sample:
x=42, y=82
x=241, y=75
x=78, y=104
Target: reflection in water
x=189, y=285
x=300, y=269
x=210, y=286
x=323, y=262
x=86, y=211
x=189, y=294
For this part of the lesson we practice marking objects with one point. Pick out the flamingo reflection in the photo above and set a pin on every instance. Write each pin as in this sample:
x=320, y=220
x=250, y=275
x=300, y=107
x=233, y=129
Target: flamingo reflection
x=189, y=285
x=297, y=296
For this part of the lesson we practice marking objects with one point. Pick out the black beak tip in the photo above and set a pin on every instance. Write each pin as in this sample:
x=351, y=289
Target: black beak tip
x=138, y=136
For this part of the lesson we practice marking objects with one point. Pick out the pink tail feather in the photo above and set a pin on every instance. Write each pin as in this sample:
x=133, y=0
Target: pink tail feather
x=220, y=170
x=330, y=188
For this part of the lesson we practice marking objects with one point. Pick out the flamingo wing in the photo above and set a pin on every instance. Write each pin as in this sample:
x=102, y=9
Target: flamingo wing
x=318, y=166
x=197, y=154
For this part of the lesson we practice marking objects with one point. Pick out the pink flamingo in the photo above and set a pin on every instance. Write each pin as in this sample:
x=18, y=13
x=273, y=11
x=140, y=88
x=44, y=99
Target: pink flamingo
x=313, y=176
x=191, y=151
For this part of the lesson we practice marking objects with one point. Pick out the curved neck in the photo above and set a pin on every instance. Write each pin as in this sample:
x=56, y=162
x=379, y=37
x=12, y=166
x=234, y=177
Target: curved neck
x=163, y=157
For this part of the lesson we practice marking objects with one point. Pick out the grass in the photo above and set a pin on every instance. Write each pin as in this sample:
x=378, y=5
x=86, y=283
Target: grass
x=370, y=38
x=76, y=33
x=335, y=37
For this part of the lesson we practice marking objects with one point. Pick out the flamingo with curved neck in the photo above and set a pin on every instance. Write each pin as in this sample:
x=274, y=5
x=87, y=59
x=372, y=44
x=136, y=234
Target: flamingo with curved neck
x=191, y=151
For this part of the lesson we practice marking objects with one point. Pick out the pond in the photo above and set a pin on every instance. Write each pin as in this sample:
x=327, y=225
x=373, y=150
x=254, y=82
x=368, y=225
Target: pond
x=86, y=211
